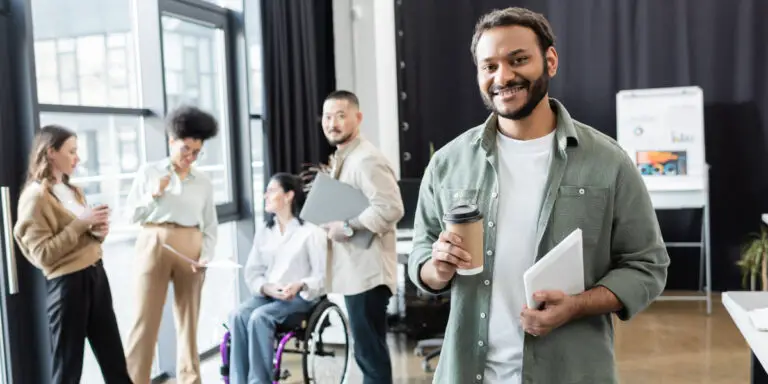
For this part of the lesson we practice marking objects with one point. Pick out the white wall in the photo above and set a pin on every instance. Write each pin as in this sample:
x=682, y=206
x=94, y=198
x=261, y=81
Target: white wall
x=366, y=64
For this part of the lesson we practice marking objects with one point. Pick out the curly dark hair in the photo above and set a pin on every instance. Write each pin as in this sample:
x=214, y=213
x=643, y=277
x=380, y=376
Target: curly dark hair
x=189, y=122
x=515, y=16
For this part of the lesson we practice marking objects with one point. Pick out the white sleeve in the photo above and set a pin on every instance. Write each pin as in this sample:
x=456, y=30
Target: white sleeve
x=140, y=202
x=256, y=267
x=317, y=252
x=209, y=227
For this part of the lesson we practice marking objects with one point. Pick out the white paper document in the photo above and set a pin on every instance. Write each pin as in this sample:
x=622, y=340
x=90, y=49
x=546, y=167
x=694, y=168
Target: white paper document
x=179, y=254
x=561, y=269
x=223, y=264
x=218, y=263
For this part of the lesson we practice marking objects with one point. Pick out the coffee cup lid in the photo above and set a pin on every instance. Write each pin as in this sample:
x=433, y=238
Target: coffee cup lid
x=462, y=214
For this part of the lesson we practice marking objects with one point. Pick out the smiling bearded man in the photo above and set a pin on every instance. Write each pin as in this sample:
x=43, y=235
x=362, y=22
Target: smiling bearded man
x=536, y=175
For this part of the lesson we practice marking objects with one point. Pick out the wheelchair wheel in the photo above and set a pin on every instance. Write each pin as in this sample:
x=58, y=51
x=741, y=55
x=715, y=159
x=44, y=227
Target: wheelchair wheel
x=326, y=355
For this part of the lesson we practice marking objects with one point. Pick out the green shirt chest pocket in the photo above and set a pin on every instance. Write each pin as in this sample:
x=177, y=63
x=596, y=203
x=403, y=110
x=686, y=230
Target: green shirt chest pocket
x=580, y=207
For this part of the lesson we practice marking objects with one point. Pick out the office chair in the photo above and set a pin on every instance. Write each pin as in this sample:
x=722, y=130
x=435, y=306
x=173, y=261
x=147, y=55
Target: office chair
x=436, y=343
x=430, y=348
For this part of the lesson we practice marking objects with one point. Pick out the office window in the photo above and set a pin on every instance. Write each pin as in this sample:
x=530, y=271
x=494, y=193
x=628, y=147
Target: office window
x=236, y=5
x=85, y=53
x=256, y=104
x=257, y=167
x=255, y=61
x=194, y=67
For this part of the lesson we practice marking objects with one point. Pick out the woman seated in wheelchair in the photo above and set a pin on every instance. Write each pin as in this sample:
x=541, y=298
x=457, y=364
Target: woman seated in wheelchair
x=284, y=273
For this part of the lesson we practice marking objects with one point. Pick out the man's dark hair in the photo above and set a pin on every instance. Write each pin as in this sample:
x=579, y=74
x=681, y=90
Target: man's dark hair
x=188, y=122
x=344, y=95
x=515, y=16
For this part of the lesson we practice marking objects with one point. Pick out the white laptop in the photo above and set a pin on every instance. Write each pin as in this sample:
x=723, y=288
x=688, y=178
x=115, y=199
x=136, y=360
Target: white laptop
x=562, y=269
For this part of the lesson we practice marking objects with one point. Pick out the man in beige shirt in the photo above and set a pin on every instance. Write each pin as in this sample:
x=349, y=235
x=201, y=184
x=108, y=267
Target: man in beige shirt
x=365, y=276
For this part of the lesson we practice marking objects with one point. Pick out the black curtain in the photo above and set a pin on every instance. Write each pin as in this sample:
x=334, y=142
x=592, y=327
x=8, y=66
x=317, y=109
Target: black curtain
x=606, y=46
x=298, y=73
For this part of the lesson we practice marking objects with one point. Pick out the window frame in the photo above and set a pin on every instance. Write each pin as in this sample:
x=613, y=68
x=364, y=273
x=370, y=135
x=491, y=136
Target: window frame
x=195, y=11
x=93, y=110
x=255, y=6
x=152, y=92
x=74, y=80
x=213, y=16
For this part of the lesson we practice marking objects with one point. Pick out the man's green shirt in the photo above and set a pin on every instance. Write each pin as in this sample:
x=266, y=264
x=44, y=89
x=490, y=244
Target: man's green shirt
x=592, y=185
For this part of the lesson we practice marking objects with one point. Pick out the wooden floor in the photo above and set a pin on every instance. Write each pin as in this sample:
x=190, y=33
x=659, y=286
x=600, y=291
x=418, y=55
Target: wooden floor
x=671, y=342
x=676, y=342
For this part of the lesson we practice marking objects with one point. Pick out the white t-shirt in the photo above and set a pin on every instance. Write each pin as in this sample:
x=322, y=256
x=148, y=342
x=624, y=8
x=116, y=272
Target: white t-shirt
x=523, y=170
x=68, y=199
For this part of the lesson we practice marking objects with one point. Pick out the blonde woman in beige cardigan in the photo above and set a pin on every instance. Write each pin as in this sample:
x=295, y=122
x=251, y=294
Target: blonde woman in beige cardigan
x=59, y=234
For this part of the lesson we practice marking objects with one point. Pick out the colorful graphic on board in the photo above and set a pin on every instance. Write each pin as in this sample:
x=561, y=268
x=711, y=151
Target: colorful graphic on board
x=662, y=163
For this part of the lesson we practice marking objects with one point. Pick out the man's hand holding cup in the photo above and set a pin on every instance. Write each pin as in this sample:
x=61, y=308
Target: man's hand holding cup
x=458, y=249
x=447, y=256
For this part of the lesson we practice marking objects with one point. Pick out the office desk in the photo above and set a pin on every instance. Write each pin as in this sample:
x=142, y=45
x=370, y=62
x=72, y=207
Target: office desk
x=738, y=304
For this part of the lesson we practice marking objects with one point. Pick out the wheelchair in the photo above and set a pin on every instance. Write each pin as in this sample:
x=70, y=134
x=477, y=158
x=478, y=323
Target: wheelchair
x=322, y=362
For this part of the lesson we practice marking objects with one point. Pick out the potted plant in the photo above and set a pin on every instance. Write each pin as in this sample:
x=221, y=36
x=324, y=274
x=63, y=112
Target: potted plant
x=754, y=260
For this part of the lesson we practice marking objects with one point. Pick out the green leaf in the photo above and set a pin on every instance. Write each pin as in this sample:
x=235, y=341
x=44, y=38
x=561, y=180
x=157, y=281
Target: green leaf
x=753, y=252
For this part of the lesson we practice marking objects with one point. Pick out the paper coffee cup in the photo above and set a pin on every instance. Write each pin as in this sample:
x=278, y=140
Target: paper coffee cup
x=91, y=206
x=467, y=222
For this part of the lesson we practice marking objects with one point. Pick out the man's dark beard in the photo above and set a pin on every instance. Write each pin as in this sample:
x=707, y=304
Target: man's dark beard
x=342, y=140
x=535, y=94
